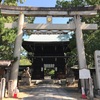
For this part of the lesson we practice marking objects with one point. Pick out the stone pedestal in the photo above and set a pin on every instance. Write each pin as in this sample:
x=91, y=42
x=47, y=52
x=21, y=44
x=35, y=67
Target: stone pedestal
x=26, y=81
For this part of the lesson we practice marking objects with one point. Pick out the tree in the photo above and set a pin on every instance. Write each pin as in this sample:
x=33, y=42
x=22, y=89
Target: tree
x=12, y=1
x=91, y=38
x=7, y=36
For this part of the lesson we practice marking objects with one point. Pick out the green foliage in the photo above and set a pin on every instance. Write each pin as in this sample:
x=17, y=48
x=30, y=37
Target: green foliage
x=7, y=36
x=91, y=38
x=72, y=3
x=76, y=3
x=21, y=1
x=93, y=2
x=12, y=2
x=49, y=72
x=52, y=72
x=25, y=61
x=62, y=3
x=29, y=20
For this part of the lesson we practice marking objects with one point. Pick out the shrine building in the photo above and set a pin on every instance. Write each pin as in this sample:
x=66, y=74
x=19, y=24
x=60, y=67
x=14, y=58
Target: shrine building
x=47, y=52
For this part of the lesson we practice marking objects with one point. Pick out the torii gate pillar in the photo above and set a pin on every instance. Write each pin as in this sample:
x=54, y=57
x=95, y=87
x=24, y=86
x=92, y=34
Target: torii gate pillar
x=80, y=45
x=17, y=48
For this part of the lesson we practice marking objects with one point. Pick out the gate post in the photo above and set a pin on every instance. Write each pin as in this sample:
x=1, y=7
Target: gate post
x=10, y=88
x=17, y=48
x=3, y=81
x=80, y=45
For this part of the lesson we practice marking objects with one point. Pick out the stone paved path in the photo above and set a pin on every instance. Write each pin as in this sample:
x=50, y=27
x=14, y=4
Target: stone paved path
x=48, y=91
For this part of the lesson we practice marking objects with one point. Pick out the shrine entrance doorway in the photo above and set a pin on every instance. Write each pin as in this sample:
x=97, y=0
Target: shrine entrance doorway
x=49, y=71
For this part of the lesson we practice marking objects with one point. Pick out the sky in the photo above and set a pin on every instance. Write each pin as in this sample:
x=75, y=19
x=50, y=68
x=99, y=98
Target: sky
x=39, y=3
x=44, y=3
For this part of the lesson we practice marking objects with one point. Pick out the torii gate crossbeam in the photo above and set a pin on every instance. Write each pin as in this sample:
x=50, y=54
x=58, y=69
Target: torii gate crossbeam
x=70, y=26
x=51, y=11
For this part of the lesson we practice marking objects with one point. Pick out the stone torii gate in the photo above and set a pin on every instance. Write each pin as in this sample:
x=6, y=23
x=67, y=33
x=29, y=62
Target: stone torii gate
x=49, y=12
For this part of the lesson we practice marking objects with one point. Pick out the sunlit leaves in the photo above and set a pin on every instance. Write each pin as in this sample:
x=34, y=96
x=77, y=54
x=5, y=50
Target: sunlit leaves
x=7, y=36
x=25, y=61
x=13, y=2
x=91, y=38
x=93, y=2
x=62, y=3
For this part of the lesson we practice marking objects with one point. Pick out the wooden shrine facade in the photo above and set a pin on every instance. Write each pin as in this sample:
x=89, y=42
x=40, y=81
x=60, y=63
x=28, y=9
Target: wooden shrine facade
x=50, y=54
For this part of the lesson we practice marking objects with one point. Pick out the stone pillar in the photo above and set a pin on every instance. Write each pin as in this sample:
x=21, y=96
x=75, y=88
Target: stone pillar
x=91, y=95
x=80, y=45
x=97, y=67
x=10, y=88
x=3, y=81
x=17, y=48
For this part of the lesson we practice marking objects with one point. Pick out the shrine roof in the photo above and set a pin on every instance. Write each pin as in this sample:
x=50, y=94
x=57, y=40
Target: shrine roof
x=5, y=63
x=48, y=38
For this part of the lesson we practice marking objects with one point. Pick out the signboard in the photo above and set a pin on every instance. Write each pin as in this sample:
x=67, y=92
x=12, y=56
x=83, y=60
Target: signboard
x=84, y=74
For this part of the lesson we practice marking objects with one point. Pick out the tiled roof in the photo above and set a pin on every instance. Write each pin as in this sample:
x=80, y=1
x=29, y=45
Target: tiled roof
x=5, y=62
